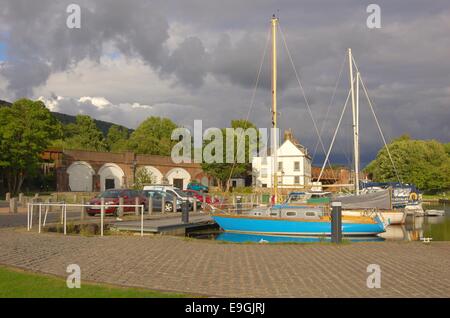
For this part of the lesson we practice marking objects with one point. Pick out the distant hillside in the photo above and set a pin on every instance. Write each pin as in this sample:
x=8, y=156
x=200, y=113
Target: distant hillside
x=68, y=119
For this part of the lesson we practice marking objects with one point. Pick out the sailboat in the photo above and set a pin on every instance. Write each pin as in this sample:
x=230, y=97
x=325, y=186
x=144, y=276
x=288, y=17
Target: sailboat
x=301, y=220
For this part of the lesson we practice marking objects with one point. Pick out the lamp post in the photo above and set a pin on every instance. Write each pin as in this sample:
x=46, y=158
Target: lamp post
x=134, y=164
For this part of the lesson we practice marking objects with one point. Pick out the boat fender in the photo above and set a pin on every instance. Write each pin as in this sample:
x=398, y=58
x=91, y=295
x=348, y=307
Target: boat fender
x=413, y=196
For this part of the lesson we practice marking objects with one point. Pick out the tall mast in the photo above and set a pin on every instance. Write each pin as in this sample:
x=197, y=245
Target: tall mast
x=355, y=113
x=274, y=107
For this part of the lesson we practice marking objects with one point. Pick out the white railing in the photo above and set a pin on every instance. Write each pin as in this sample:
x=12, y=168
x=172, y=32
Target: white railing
x=63, y=206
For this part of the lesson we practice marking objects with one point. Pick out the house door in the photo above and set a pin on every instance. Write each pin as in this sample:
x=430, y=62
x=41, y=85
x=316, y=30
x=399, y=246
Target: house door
x=109, y=184
x=178, y=183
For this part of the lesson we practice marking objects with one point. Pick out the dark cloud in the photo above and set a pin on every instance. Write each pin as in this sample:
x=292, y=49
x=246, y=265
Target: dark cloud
x=212, y=60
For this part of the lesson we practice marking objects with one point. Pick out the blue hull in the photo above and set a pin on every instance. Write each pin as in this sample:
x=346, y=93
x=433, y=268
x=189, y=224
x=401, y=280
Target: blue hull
x=293, y=227
x=261, y=238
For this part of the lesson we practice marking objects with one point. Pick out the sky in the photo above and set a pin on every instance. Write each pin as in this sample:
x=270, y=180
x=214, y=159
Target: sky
x=195, y=59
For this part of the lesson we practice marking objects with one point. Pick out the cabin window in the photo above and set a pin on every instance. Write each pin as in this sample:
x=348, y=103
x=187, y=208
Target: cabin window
x=310, y=214
x=273, y=213
x=291, y=213
x=296, y=165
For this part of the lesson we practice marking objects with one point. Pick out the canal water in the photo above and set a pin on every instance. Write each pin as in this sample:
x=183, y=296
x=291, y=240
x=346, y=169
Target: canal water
x=415, y=228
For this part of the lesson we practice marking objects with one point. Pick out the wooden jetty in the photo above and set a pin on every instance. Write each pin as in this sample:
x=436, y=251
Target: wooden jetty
x=167, y=226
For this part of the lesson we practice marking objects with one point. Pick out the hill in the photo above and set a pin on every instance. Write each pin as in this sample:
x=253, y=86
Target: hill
x=68, y=119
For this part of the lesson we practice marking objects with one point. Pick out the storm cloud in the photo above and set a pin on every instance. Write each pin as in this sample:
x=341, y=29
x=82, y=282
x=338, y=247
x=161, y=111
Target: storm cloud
x=199, y=60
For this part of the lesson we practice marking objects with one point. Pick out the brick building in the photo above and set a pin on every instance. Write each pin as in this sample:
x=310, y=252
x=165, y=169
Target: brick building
x=86, y=171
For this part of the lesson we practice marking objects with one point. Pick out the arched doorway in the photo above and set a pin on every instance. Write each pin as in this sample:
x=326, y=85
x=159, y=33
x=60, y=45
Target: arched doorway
x=80, y=176
x=157, y=176
x=178, y=177
x=111, y=176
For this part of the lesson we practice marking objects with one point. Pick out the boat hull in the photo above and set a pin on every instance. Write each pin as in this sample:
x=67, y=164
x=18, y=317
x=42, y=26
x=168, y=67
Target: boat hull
x=293, y=227
x=391, y=217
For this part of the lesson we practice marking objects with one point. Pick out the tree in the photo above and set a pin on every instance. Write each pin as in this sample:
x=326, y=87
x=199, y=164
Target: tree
x=222, y=172
x=26, y=130
x=422, y=162
x=83, y=135
x=153, y=137
x=143, y=177
x=117, y=138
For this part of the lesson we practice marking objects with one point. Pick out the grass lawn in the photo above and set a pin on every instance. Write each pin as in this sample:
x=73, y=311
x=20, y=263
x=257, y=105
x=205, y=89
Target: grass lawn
x=16, y=283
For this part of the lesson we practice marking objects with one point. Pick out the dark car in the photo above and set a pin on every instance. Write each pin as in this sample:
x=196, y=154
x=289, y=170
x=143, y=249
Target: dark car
x=157, y=199
x=111, y=197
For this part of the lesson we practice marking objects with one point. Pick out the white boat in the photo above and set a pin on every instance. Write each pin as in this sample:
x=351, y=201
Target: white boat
x=389, y=217
x=415, y=209
x=434, y=212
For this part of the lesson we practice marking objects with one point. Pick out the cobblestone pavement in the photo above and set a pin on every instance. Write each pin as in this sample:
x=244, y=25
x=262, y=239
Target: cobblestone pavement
x=409, y=269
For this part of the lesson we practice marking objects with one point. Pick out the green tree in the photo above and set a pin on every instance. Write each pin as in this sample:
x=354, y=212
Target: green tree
x=117, y=138
x=83, y=135
x=422, y=162
x=26, y=130
x=143, y=177
x=153, y=137
x=222, y=172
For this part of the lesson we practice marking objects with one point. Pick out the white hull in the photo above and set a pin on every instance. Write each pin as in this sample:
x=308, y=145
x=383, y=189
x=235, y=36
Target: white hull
x=434, y=212
x=415, y=209
x=390, y=217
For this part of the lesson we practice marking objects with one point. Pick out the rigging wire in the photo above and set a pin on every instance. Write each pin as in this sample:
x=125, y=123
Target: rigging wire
x=334, y=136
x=371, y=105
x=252, y=101
x=303, y=93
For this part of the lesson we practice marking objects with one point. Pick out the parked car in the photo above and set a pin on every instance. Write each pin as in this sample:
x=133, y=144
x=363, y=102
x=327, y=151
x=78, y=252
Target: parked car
x=173, y=191
x=111, y=197
x=157, y=199
x=199, y=196
x=197, y=186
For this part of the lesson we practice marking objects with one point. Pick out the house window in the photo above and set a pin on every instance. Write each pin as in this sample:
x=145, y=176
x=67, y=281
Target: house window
x=280, y=166
x=263, y=173
x=297, y=179
x=264, y=185
x=296, y=165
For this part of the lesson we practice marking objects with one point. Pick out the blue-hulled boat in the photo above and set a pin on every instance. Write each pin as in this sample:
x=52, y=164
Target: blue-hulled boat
x=293, y=221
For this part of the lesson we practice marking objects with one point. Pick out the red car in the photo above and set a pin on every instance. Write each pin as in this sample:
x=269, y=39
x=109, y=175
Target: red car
x=199, y=196
x=112, y=196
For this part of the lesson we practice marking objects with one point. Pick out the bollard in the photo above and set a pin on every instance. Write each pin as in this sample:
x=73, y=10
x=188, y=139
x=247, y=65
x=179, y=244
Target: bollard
x=163, y=202
x=102, y=214
x=136, y=207
x=174, y=204
x=7, y=196
x=13, y=205
x=120, y=208
x=83, y=209
x=150, y=205
x=336, y=222
x=239, y=205
x=194, y=208
x=185, y=212
x=20, y=198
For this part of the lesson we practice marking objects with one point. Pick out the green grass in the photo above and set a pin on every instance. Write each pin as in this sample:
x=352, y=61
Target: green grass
x=21, y=284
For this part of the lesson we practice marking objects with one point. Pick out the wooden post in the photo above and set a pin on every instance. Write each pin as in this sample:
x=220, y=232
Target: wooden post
x=195, y=205
x=174, y=203
x=102, y=214
x=163, y=202
x=20, y=198
x=120, y=208
x=83, y=209
x=150, y=205
x=13, y=205
x=136, y=208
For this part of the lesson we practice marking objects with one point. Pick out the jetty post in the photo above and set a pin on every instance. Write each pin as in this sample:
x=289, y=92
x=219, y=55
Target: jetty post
x=185, y=211
x=336, y=222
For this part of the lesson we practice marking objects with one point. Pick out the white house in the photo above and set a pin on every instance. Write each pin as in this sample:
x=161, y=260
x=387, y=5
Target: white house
x=294, y=166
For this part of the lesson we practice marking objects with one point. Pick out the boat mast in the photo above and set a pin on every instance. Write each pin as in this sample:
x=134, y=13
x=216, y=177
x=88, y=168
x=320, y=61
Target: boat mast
x=274, y=107
x=355, y=113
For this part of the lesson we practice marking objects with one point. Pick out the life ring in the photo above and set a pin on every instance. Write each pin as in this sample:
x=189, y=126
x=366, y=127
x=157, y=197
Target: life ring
x=413, y=196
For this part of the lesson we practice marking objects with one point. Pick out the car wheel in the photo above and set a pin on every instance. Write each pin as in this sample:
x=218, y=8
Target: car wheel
x=168, y=207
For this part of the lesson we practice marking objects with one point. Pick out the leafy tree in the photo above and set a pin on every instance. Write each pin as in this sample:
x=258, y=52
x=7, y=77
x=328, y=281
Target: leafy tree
x=222, y=172
x=143, y=177
x=26, y=130
x=83, y=135
x=153, y=137
x=422, y=162
x=117, y=138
